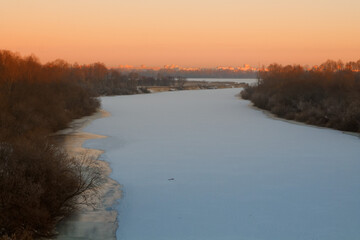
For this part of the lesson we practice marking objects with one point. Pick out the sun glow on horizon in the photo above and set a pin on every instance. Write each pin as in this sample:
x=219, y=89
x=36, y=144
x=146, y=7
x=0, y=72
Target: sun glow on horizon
x=186, y=33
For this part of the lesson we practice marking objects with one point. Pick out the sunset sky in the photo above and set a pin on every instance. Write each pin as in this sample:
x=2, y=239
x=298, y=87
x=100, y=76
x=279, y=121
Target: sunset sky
x=198, y=33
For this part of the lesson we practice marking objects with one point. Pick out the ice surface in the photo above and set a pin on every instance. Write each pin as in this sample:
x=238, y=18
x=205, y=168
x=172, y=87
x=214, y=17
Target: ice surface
x=238, y=174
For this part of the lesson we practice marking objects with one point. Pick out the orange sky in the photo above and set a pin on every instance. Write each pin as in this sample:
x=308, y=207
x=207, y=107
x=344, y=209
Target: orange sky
x=195, y=33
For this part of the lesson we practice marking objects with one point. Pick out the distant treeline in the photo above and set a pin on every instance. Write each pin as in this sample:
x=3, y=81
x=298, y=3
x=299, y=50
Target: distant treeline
x=159, y=80
x=102, y=81
x=203, y=73
x=326, y=95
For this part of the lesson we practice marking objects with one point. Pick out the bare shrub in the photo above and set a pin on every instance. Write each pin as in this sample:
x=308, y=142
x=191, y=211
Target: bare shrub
x=246, y=92
x=40, y=185
x=326, y=96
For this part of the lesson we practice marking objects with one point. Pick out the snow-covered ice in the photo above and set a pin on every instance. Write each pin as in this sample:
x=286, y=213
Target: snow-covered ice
x=204, y=165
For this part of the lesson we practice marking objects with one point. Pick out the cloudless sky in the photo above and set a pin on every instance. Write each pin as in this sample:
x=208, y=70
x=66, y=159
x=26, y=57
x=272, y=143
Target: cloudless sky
x=197, y=33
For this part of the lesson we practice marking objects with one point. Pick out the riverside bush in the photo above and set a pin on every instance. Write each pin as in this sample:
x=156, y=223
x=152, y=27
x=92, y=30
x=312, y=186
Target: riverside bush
x=327, y=95
x=39, y=183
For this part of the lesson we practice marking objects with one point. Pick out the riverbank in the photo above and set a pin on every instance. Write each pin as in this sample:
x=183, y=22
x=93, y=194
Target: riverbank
x=198, y=85
x=99, y=222
x=273, y=116
x=319, y=96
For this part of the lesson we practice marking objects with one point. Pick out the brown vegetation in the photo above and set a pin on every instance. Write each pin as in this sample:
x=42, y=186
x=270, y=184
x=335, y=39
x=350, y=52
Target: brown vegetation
x=326, y=95
x=220, y=72
x=39, y=183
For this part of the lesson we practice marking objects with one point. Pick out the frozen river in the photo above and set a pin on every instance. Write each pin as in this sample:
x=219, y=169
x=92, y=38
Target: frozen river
x=204, y=165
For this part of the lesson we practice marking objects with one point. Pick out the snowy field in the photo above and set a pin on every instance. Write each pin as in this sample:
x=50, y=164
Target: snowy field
x=237, y=80
x=238, y=174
